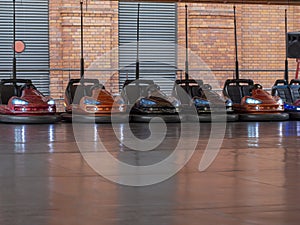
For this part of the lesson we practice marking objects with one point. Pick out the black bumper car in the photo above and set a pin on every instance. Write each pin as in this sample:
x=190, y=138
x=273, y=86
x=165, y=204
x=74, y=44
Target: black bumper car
x=195, y=95
x=146, y=101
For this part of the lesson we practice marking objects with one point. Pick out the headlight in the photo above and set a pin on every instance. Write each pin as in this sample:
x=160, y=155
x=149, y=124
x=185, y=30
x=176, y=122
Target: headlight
x=253, y=101
x=19, y=102
x=228, y=102
x=51, y=102
x=280, y=102
x=200, y=102
x=176, y=102
x=146, y=102
x=119, y=100
x=89, y=101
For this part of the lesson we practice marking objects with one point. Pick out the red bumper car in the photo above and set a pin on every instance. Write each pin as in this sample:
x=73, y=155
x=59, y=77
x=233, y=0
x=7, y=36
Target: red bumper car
x=252, y=103
x=21, y=102
x=86, y=100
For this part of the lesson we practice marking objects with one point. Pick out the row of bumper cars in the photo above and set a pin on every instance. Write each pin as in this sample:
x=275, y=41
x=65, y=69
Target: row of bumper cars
x=252, y=103
x=195, y=95
x=290, y=94
x=21, y=102
x=86, y=100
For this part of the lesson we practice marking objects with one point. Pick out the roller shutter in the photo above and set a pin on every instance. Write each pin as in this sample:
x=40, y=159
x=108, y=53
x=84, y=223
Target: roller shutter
x=158, y=39
x=31, y=27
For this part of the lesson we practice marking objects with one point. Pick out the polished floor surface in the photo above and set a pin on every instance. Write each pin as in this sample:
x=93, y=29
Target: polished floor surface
x=255, y=179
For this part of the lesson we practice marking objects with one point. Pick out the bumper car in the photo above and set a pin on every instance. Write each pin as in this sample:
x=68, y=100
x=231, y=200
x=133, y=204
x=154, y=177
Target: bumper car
x=249, y=100
x=252, y=103
x=290, y=94
x=194, y=94
x=86, y=100
x=147, y=102
x=22, y=103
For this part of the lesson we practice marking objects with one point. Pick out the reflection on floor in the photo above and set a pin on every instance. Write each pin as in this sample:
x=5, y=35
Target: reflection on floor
x=255, y=178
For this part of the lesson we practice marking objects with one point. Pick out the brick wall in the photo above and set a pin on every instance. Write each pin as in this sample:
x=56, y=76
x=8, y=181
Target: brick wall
x=261, y=40
x=260, y=30
x=100, y=43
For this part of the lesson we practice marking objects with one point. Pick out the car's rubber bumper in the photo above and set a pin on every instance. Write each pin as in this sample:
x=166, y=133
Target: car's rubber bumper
x=232, y=117
x=34, y=119
x=264, y=117
x=207, y=117
x=167, y=118
x=294, y=115
x=103, y=118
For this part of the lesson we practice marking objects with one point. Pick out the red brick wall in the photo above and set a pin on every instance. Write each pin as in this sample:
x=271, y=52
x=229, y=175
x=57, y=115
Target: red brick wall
x=260, y=29
x=261, y=40
x=100, y=37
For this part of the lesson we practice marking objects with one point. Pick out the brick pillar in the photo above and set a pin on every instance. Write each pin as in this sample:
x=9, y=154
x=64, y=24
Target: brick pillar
x=100, y=38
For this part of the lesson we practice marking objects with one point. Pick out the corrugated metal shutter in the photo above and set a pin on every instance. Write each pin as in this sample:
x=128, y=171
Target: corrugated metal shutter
x=158, y=41
x=32, y=27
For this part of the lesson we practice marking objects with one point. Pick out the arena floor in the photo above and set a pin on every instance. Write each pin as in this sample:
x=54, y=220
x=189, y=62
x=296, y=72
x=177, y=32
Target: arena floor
x=255, y=178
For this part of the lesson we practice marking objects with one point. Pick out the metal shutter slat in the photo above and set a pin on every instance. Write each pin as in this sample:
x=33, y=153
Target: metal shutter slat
x=158, y=41
x=32, y=27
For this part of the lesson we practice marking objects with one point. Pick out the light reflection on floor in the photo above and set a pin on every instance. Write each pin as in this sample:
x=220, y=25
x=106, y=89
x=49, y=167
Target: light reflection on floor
x=254, y=180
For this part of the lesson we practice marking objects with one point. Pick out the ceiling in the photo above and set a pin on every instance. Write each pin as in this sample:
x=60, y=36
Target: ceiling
x=269, y=2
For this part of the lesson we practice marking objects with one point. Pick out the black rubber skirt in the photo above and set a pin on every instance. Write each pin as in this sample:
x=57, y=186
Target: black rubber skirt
x=264, y=117
x=167, y=118
x=207, y=117
x=294, y=115
x=44, y=119
x=104, y=118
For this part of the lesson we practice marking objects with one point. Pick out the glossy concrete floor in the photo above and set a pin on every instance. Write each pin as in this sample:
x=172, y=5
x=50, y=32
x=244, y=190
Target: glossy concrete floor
x=255, y=179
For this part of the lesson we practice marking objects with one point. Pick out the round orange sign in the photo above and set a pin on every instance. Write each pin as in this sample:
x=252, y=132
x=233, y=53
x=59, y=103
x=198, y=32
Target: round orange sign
x=19, y=46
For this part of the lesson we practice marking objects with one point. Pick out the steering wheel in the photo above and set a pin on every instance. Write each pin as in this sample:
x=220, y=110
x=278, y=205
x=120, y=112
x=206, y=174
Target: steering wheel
x=153, y=88
x=27, y=86
x=257, y=86
x=97, y=86
x=207, y=87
